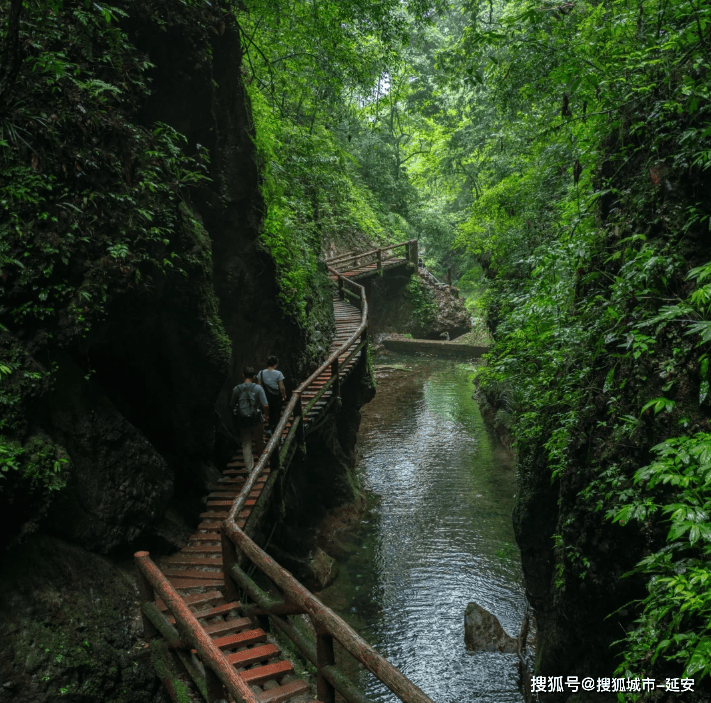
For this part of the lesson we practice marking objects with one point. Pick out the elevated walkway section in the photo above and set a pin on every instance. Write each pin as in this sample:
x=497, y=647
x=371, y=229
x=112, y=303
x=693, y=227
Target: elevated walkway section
x=203, y=611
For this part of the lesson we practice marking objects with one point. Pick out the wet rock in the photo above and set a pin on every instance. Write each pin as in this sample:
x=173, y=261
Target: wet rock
x=77, y=642
x=316, y=570
x=119, y=480
x=452, y=319
x=483, y=632
x=393, y=308
x=34, y=660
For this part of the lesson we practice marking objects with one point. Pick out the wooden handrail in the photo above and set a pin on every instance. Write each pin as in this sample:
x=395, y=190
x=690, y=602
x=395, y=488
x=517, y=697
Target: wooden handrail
x=218, y=671
x=327, y=623
x=350, y=255
x=323, y=616
x=347, y=258
x=188, y=625
x=392, y=246
x=274, y=442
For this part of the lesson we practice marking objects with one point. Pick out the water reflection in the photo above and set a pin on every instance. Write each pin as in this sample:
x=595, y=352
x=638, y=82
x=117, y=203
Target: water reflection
x=437, y=534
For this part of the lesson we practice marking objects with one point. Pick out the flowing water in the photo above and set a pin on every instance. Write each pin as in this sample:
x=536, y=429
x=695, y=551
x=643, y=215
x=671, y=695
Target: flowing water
x=436, y=535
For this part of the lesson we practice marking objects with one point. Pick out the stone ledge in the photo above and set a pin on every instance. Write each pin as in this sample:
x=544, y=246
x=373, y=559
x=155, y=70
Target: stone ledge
x=432, y=346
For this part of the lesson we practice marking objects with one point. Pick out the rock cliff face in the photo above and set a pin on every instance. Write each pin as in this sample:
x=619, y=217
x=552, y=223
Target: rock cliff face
x=121, y=405
x=69, y=628
x=406, y=304
x=577, y=562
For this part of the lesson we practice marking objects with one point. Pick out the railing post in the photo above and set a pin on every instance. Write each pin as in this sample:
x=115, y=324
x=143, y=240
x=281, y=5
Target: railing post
x=337, y=380
x=275, y=459
x=412, y=250
x=341, y=294
x=379, y=256
x=215, y=689
x=300, y=430
x=324, y=656
x=146, y=594
x=229, y=559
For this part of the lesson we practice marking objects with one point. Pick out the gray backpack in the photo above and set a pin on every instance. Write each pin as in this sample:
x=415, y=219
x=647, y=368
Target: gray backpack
x=247, y=410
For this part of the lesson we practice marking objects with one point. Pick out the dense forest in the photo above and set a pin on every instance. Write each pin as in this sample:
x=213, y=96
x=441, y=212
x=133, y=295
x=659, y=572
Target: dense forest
x=163, y=215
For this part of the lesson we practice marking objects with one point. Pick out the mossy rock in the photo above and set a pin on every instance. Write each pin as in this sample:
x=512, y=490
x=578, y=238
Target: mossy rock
x=70, y=626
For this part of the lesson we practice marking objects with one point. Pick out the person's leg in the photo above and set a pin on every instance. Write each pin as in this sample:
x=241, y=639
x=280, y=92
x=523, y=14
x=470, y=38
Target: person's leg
x=245, y=435
x=274, y=410
x=258, y=434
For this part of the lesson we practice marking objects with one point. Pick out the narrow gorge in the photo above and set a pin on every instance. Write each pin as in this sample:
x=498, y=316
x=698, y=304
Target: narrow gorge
x=475, y=235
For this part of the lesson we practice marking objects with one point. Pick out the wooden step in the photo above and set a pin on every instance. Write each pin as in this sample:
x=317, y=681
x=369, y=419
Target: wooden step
x=266, y=672
x=284, y=693
x=226, y=484
x=242, y=639
x=212, y=612
x=203, y=549
x=213, y=525
x=197, y=599
x=188, y=584
x=254, y=655
x=193, y=574
x=229, y=626
x=189, y=560
x=222, y=514
x=208, y=536
x=216, y=525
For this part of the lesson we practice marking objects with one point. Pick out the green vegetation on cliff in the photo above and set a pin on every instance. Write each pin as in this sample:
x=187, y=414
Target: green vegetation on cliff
x=93, y=209
x=591, y=220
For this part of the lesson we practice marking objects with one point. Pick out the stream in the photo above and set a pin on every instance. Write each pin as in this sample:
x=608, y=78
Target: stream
x=436, y=534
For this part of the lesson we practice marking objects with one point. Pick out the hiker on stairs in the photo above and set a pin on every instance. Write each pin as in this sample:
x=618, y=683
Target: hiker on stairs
x=248, y=403
x=273, y=383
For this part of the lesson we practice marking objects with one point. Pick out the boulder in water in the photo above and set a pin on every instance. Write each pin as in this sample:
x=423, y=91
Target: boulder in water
x=483, y=632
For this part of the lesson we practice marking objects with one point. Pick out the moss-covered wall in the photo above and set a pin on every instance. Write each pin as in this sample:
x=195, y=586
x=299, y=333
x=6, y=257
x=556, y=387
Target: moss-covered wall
x=135, y=287
x=70, y=628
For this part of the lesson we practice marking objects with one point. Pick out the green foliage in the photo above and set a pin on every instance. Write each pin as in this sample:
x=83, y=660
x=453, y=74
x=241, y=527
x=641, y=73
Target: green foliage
x=310, y=198
x=580, y=135
x=423, y=302
x=335, y=168
x=66, y=194
x=675, y=623
x=93, y=207
x=39, y=464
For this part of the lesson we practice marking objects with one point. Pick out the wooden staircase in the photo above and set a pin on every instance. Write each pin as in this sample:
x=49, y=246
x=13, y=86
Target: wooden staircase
x=196, y=571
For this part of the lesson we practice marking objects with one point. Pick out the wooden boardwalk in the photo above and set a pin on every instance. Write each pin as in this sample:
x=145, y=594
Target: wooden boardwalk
x=191, y=598
x=374, y=262
x=196, y=571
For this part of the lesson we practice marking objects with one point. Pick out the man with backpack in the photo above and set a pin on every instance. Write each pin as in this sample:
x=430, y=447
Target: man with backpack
x=273, y=383
x=248, y=403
